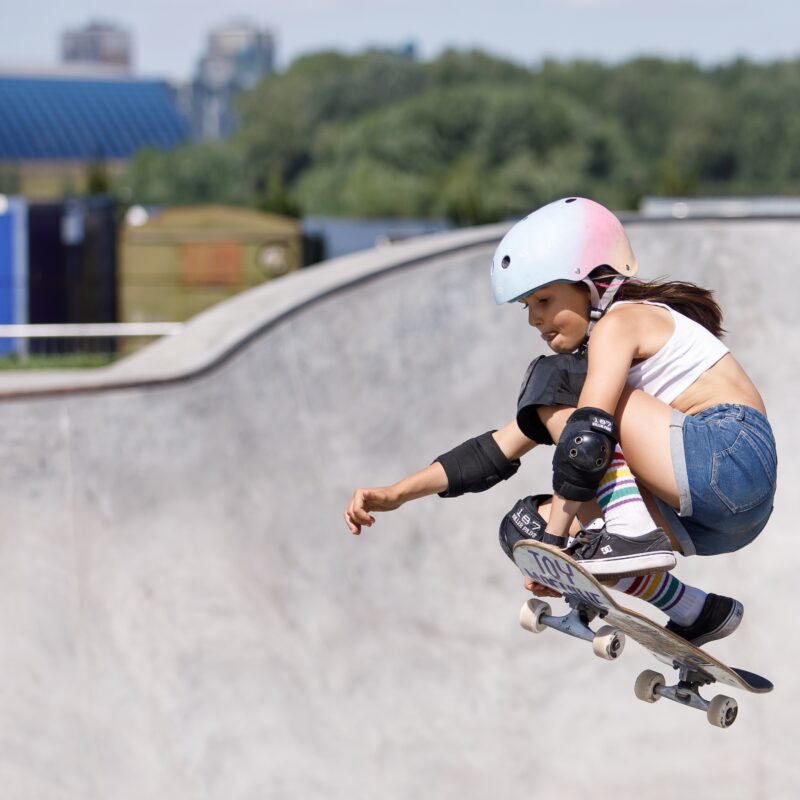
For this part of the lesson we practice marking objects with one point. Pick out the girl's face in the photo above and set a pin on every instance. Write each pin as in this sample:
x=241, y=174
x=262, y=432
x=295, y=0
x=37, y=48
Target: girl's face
x=560, y=312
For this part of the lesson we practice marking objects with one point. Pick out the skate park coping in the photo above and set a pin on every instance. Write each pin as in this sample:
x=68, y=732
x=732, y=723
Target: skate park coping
x=214, y=335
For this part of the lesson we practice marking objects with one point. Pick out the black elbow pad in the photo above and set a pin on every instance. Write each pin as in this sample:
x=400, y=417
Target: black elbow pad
x=475, y=466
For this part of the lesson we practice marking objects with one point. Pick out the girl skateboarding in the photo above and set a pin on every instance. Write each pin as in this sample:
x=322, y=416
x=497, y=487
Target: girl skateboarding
x=658, y=431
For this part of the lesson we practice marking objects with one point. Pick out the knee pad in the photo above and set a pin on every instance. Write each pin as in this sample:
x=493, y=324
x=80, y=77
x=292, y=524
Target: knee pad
x=525, y=522
x=583, y=453
x=555, y=380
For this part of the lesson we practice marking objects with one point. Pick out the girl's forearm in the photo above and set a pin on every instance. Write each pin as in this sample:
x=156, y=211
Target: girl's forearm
x=430, y=480
x=433, y=478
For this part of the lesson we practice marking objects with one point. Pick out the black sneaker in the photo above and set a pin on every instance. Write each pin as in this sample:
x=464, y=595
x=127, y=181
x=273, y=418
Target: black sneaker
x=607, y=555
x=719, y=618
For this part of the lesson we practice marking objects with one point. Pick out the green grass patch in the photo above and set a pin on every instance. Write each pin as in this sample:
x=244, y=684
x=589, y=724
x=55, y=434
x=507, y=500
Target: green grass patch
x=57, y=361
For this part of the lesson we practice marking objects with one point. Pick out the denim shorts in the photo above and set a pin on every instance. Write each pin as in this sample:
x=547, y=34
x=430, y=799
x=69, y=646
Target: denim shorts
x=725, y=465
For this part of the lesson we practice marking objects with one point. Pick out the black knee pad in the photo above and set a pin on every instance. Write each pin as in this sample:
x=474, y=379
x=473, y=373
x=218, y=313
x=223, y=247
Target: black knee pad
x=525, y=522
x=555, y=380
x=583, y=453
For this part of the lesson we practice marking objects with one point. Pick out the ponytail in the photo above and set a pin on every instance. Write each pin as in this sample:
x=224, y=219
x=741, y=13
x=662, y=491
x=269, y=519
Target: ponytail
x=692, y=301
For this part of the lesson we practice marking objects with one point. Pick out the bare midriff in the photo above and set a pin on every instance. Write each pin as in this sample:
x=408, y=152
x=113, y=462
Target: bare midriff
x=725, y=382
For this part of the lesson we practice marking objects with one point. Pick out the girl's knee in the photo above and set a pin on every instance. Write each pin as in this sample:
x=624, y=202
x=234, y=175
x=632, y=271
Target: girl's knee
x=554, y=418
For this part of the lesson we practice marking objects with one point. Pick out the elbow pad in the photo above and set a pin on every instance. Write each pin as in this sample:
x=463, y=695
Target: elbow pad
x=555, y=380
x=583, y=453
x=475, y=466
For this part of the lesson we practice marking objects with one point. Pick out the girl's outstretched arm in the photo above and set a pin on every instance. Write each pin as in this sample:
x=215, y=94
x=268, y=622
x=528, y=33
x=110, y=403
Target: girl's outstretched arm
x=510, y=440
x=431, y=480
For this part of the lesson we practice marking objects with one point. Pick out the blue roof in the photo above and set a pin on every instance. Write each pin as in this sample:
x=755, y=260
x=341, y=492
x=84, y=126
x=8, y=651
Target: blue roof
x=85, y=119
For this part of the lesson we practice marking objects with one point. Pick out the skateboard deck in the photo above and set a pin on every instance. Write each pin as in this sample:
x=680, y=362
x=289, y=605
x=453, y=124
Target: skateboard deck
x=589, y=599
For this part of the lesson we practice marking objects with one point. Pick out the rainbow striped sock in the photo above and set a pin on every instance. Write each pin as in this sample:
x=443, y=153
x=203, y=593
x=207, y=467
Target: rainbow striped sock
x=619, y=498
x=679, y=601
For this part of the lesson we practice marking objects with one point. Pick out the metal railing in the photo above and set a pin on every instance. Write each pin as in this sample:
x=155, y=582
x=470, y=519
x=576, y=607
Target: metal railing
x=108, y=340
x=90, y=330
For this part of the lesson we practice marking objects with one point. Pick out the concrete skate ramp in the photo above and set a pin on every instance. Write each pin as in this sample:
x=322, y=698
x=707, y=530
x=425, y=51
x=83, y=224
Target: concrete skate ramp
x=184, y=615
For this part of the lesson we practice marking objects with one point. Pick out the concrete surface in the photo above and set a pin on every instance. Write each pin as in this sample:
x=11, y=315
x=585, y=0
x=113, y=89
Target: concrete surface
x=184, y=615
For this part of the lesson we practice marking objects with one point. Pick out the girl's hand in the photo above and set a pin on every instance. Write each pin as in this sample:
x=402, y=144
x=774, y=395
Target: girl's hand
x=384, y=498
x=540, y=590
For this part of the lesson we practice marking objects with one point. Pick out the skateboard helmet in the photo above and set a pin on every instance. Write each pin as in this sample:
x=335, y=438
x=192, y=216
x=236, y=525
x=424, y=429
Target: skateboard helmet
x=561, y=242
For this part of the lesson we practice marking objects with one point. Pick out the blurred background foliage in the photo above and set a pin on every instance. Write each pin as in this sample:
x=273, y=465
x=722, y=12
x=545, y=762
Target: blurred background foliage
x=474, y=138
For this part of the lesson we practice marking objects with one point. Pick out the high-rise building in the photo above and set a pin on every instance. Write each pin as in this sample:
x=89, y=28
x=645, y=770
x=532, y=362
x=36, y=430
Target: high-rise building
x=237, y=56
x=100, y=44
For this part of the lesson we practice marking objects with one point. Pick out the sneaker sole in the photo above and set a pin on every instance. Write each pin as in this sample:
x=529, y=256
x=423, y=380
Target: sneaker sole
x=730, y=624
x=630, y=566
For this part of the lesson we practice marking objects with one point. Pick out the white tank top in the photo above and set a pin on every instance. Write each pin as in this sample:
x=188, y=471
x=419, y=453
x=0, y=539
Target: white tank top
x=687, y=354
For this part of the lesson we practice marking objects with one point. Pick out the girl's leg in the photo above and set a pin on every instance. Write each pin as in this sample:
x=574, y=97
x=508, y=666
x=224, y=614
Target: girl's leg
x=631, y=542
x=693, y=614
x=644, y=425
x=621, y=501
x=679, y=601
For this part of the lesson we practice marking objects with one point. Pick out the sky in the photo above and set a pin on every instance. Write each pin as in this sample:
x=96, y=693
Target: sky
x=169, y=35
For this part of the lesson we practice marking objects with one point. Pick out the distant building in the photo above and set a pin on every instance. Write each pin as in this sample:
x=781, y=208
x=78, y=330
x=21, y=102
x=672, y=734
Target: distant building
x=99, y=44
x=237, y=57
x=183, y=260
x=58, y=264
x=339, y=236
x=56, y=130
x=406, y=50
x=719, y=207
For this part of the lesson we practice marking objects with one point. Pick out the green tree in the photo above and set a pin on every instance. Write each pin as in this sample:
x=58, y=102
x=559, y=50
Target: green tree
x=98, y=178
x=476, y=137
x=198, y=173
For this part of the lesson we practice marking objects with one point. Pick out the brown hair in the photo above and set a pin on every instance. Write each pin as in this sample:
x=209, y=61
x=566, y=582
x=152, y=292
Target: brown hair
x=686, y=298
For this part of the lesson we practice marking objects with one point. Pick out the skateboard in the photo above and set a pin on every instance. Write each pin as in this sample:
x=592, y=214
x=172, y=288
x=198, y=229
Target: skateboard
x=588, y=599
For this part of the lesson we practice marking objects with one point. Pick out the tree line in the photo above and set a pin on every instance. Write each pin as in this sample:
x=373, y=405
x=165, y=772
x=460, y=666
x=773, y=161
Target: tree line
x=475, y=138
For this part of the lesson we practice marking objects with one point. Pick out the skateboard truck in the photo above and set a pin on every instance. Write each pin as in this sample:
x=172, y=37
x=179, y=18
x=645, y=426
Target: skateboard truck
x=721, y=710
x=607, y=642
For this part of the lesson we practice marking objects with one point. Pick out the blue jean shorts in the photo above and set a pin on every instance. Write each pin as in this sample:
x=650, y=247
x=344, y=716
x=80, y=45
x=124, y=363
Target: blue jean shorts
x=725, y=466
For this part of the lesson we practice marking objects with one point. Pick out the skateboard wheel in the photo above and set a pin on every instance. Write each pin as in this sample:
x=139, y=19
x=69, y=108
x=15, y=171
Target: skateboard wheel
x=646, y=685
x=608, y=643
x=531, y=613
x=722, y=711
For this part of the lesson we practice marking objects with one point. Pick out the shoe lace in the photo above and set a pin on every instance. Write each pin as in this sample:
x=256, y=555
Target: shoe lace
x=585, y=545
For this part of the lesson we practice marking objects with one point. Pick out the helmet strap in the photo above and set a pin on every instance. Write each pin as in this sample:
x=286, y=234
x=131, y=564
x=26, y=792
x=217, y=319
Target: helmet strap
x=600, y=304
